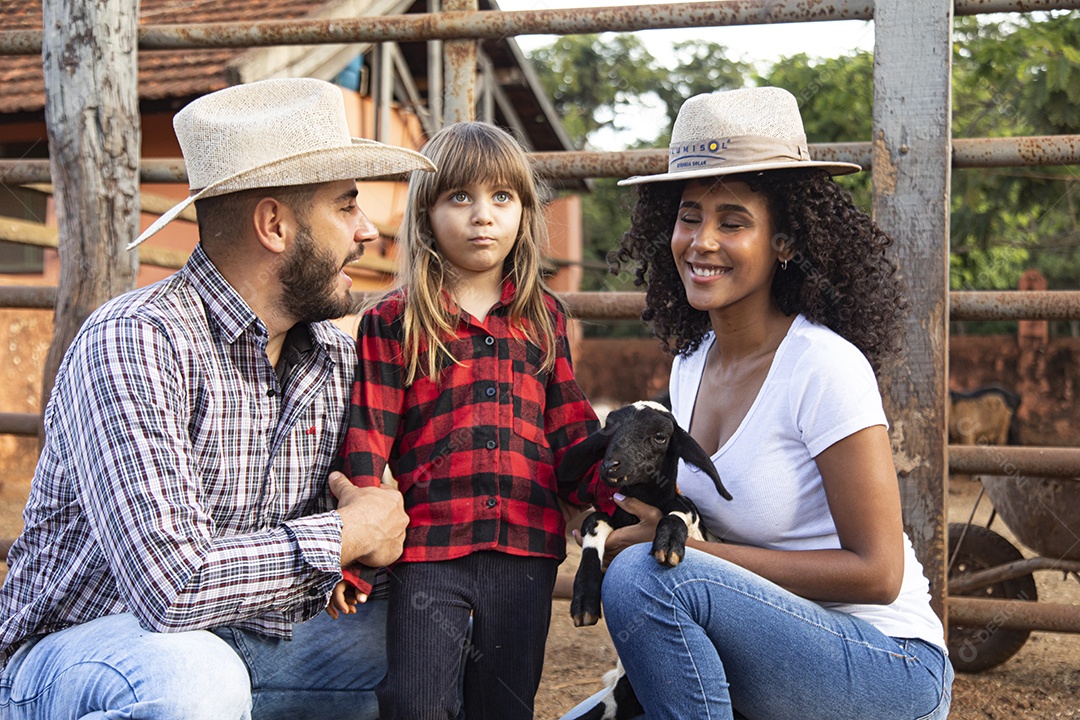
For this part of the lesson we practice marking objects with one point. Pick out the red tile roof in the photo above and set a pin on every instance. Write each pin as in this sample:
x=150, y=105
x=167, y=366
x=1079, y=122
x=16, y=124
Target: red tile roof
x=183, y=74
x=162, y=74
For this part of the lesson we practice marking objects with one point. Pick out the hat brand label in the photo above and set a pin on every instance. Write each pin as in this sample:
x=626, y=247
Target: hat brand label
x=733, y=152
x=690, y=156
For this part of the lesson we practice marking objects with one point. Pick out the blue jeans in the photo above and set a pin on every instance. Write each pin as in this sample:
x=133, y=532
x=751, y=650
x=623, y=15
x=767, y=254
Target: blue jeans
x=708, y=639
x=111, y=668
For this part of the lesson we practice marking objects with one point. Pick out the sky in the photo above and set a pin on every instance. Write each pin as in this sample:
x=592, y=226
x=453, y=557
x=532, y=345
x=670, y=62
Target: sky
x=750, y=42
x=759, y=44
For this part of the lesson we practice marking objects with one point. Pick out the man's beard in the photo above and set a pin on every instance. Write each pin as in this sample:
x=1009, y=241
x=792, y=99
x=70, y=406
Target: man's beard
x=309, y=281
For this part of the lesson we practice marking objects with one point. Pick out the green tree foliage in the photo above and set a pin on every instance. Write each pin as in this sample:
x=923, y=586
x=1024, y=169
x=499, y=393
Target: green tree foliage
x=1014, y=77
x=700, y=67
x=592, y=78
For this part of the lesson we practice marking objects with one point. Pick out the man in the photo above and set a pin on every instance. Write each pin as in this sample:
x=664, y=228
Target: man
x=180, y=527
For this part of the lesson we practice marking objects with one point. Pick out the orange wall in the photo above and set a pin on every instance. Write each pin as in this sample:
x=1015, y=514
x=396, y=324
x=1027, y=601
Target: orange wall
x=564, y=229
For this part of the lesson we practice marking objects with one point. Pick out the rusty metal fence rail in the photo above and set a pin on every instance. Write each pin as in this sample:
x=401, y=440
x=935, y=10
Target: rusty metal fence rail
x=469, y=25
x=1045, y=150
x=888, y=156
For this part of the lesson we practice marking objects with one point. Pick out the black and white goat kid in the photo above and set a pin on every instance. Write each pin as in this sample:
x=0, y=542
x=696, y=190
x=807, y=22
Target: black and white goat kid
x=639, y=449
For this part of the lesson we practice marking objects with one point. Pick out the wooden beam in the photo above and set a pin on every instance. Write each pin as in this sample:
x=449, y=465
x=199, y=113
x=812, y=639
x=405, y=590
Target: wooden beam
x=148, y=202
x=912, y=152
x=435, y=73
x=93, y=124
x=32, y=233
x=410, y=93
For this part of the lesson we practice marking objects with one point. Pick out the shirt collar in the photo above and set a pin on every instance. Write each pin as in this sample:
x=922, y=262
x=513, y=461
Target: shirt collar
x=224, y=305
x=509, y=290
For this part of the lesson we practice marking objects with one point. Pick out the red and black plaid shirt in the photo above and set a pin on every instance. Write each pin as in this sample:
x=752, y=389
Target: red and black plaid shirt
x=475, y=453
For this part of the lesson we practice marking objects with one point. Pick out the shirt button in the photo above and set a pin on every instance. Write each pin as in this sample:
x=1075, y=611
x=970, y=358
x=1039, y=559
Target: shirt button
x=490, y=392
x=489, y=340
x=271, y=393
x=492, y=502
x=491, y=444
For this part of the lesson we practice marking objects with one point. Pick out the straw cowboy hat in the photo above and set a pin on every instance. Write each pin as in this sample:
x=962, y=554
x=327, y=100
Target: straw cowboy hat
x=738, y=131
x=274, y=133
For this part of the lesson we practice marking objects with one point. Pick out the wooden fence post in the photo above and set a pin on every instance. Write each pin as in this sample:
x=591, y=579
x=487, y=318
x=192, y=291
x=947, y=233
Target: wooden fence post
x=912, y=161
x=92, y=117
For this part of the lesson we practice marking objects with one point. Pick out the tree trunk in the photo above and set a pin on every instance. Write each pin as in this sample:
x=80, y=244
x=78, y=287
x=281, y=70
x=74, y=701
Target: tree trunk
x=92, y=116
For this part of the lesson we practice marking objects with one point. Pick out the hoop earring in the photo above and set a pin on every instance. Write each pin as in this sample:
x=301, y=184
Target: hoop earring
x=783, y=264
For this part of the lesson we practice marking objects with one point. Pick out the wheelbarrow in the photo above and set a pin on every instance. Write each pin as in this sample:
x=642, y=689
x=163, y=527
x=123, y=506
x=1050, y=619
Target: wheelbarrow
x=1044, y=515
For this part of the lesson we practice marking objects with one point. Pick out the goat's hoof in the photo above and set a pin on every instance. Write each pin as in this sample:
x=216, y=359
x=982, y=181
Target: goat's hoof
x=667, y=558
x=585, y=607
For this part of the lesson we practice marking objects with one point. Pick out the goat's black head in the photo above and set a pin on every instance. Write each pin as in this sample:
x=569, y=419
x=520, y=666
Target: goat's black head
x=639, y=444
x=638, y=439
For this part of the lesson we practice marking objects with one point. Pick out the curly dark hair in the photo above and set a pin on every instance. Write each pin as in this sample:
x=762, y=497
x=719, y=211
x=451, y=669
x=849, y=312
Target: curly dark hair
x=840, y=275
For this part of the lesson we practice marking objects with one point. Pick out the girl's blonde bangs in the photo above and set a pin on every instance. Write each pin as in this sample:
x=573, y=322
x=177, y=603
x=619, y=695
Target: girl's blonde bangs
x=466, y=156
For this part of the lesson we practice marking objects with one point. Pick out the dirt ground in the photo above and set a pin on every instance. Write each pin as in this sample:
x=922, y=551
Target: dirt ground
x=1040, y=682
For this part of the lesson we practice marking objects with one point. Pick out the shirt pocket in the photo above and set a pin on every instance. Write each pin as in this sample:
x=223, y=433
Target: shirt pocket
x=529, y=392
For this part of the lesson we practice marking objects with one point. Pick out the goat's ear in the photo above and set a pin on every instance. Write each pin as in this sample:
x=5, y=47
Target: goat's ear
x=688, y=449
x=581, y=457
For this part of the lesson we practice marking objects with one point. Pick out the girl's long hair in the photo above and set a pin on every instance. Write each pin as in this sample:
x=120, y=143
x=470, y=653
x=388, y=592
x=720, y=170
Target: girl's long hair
x=465, y=153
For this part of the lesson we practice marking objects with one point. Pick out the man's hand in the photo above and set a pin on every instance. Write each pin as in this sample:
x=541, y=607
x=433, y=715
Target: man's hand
x=373, y=522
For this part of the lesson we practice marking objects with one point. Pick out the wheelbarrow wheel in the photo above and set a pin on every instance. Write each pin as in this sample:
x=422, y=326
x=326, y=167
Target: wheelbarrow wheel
x=973, y=649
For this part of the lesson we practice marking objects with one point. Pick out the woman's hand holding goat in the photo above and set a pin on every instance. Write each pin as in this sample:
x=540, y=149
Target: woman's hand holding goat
x=643, y=532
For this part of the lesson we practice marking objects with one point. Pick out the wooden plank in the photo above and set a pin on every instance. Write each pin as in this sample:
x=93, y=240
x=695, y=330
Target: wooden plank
x=148, y=202
x=92, y=118
x=28, y=232
x=911, y=151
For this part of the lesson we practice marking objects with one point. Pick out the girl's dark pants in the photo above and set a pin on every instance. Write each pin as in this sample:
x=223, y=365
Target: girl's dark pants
x=430, y=648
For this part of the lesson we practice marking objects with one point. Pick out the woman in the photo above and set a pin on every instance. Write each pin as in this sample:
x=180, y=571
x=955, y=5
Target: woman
x=776, y=295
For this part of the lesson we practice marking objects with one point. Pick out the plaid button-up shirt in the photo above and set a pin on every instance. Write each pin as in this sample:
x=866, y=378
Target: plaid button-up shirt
x=181, y=480
x=475, y=453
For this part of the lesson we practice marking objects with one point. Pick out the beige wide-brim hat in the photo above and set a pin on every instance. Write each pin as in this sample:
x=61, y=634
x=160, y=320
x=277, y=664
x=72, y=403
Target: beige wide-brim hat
x=738, y=131
x=275, y=133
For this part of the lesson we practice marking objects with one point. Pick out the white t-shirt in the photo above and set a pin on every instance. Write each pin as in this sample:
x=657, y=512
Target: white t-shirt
x=820, y=389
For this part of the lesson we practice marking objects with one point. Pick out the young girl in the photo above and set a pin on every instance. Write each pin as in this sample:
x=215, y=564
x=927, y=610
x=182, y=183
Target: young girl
x=464, y=386
x=776, y=294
